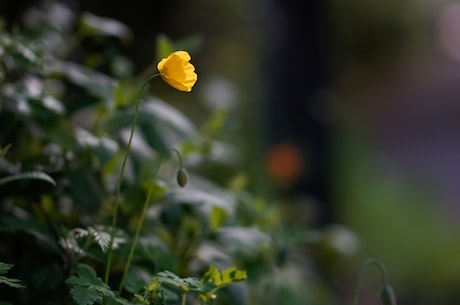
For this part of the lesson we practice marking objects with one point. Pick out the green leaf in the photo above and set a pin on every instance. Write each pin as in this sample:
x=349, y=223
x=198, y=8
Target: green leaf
x=5, y=267
x=243, y=241
x=216, y=217
x=4, y=150
x=164, y=47
x=86, y=187
x=136, y=279
x=27, y=176
x=15, y=283
x=168, y=116
x=191, y=43
x=100, y=237
x=162, y=125
x=96, y=83
x=215, y=123
x=203, y=200
x=153, y=285
x=117, y=300
x=153, y=293
x=103, y=148
x=42, y=233
x=87, y=288
x=223, y=278
x=92, y=25
x=11, y=282
x=155, y=250
x=157, y=187
x=185, y=284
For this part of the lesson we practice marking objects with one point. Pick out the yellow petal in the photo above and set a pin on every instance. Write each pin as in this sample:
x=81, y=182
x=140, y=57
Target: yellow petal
x=184, y=55
x=176, y=84
x=177, y=71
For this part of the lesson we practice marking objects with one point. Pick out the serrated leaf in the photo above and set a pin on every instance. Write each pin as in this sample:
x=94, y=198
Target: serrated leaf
x=185, y=284
x=223, y=278
x=5, y=267
x=117, y=300
x=87, y=288
x=153, y=285
x=15, y=283
x=232, y=275
x=100, y=237
x=27, y=176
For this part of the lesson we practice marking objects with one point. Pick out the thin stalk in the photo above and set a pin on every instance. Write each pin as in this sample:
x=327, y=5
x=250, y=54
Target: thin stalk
x=178, y=156
x=140, y=223
x=365, y=266
x=138, y=230
x=120, y=178
x=184, y=298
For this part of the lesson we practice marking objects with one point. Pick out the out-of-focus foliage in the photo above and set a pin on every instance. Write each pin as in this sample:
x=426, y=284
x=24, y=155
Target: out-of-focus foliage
x=65, y=114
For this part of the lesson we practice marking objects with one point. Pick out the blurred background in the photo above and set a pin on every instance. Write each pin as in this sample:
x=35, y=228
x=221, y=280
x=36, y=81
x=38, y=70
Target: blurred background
x=345, y=112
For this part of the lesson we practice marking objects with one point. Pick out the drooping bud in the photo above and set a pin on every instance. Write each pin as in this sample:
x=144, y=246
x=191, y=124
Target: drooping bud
x=388, y=295
x=182, y=177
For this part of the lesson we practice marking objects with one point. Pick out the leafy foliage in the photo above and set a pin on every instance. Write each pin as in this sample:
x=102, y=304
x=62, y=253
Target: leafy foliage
x=224, y=277
x=214, y=279
x=87, y=288
x=28, y=175
x=67, y=97
x=15, y=283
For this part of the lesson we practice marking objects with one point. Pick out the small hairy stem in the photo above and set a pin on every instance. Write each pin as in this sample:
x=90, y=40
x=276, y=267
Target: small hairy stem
x=120, y=178
x=178, y=156
x=138, y=230
x=365, y=266
x=184, y=298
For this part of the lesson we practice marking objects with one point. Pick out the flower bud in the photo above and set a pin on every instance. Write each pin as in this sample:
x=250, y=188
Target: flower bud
x=182, y=177
x=388, y=295
x=177, y=71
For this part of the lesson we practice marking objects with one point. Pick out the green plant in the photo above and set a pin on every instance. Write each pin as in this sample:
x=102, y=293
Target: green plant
x=6, y=280
x=93, y=209
x=387, y=294
x=58, y=171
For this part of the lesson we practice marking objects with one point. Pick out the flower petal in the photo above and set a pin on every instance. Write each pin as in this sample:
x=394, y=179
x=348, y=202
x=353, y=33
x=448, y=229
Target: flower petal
x=177, y=71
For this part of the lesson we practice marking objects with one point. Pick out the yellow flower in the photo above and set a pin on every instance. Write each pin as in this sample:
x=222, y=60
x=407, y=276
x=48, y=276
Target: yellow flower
x=177, y=71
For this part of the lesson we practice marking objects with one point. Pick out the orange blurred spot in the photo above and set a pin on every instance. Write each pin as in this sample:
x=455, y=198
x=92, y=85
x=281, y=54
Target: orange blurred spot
x=284, y=162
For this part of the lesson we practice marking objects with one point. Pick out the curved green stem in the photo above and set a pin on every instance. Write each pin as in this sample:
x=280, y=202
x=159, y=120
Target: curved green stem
x=365, y=266
x=138, y=230
x=139, y=224
x=136, y=238
x=120, y=178
x=178, y=156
